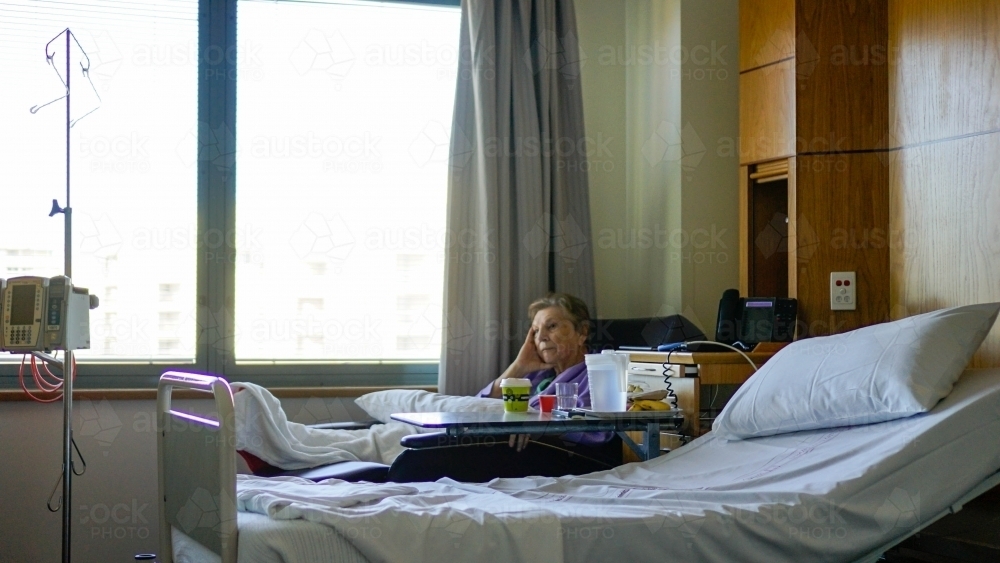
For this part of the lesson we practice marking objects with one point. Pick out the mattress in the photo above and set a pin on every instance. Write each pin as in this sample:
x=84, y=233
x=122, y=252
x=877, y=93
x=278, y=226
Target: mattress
x=263, y=540
x=824, y=495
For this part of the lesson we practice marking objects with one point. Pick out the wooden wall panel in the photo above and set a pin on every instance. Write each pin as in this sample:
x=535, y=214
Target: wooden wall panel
x=767, y=114
x=841, y=224
x=767, y=32
x=842, y=98
x=945, y=72
x=946, y=229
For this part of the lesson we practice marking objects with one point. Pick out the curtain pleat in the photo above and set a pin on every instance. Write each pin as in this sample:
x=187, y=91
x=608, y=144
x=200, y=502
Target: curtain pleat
x=518, y=207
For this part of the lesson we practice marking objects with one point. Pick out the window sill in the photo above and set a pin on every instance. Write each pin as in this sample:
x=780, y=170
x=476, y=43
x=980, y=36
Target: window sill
x=150, y=394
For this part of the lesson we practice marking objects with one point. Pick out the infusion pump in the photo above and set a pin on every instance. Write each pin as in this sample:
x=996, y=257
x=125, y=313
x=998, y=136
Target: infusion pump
x=44, y=314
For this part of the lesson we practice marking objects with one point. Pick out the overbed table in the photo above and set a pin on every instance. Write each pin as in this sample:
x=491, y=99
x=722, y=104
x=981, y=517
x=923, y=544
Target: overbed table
x=458, y=424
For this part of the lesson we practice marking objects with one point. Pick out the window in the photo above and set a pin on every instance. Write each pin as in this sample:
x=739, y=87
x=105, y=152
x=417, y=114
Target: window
x=302, y=248
x=133, y=179
x=169, y=321
x=169, y=345
x=169, y=291
x=24, y=261
x=343, y=124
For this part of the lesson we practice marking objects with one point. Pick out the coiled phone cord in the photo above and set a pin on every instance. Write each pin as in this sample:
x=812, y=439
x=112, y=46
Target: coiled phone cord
x=671, y=396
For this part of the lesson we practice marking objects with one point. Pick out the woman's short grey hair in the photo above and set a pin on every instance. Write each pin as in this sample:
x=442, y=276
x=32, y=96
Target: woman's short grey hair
x=574, y=307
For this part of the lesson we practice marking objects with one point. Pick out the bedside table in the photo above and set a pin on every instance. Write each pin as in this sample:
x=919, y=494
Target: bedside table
x=713, y=368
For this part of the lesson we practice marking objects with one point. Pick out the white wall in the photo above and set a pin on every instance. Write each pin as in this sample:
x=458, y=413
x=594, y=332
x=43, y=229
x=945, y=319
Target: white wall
x=708, y=250
x=114, y=510
x=660, y=82
x=601, y=26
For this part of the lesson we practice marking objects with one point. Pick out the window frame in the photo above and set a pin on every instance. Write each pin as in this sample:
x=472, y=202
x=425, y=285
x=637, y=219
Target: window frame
x=215, y=278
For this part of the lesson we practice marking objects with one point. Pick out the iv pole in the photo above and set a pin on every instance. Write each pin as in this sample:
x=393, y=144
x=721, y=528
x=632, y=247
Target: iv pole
x=67, y=500
x=67, y=362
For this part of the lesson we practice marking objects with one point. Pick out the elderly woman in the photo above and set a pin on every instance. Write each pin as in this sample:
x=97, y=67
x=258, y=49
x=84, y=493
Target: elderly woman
x=553, y=350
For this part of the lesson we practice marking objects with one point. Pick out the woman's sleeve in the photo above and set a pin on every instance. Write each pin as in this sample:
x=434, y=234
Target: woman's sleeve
x=485, y=393
x=582, y=390
x=534, y=377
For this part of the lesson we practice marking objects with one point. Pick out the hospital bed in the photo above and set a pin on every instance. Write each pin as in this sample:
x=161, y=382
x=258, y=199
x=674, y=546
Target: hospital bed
x=844, y=494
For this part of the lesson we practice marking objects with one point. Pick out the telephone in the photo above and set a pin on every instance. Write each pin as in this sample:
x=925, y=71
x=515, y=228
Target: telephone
x=750, y=320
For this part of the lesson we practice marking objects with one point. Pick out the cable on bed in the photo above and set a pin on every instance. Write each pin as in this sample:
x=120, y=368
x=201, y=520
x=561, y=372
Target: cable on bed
x=571, y=452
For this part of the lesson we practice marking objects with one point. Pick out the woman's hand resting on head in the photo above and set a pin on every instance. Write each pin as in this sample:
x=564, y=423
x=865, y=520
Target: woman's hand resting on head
x=528, y=360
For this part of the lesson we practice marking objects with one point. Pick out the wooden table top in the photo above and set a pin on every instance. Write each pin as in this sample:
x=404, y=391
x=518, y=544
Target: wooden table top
x=763, y=352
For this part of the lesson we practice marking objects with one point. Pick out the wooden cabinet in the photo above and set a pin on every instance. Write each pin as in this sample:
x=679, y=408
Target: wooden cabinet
x=814, y=174
x=767, y=112
x=767, y=32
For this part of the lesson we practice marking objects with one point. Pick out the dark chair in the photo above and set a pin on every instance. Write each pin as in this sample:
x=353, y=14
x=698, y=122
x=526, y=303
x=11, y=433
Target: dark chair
x=352, y=471
x=430, y=457
x=610, y=334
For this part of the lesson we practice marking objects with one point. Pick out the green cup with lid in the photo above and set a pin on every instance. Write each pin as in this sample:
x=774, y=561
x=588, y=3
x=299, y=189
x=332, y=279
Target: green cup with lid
x=516, y=392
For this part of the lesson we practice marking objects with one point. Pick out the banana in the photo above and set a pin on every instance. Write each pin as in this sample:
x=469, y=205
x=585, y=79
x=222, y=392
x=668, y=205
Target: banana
x=649, y=406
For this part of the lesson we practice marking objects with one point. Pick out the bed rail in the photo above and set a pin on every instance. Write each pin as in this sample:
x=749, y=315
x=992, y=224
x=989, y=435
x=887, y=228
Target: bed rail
x=197, y=467
x=985, y=485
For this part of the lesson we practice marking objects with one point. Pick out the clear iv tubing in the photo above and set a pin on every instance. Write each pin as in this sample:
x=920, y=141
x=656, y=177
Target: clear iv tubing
x=40, y=382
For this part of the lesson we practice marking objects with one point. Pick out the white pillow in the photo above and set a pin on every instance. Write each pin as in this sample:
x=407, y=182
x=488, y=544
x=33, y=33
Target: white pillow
x=381, y=404
x=873, y=374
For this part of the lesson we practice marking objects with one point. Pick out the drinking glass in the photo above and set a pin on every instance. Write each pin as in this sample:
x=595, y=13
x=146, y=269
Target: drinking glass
x=566, y=396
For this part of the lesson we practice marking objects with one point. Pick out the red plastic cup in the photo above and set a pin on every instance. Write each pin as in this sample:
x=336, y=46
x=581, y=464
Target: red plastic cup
x=546, y=403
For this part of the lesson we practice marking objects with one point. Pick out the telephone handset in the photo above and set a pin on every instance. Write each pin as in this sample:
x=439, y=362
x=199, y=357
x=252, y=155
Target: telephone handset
x=750, y=320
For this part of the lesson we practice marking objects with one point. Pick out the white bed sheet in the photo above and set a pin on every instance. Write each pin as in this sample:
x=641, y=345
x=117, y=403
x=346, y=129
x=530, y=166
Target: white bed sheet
x=825, y=495
x=263, y=540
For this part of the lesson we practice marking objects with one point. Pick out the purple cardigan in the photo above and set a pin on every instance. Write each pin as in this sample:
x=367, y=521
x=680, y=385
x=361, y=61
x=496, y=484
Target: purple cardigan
x=576, y=374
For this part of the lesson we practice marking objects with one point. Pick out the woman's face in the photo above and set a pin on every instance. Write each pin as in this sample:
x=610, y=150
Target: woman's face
x=557, y=339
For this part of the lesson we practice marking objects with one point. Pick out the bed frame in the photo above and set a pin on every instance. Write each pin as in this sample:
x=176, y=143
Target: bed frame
x=197, y=464
x=987, y=484
x=196, y=457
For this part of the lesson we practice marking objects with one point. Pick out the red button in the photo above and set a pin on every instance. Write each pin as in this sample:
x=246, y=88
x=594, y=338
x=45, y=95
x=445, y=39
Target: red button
x=839, y=283
x=847, y=282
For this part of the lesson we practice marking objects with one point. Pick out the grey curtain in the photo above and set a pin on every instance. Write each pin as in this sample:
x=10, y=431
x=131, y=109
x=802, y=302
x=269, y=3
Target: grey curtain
x=518, y=209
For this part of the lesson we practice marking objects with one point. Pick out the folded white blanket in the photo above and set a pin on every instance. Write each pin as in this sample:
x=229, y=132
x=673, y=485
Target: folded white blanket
x=263, y=430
